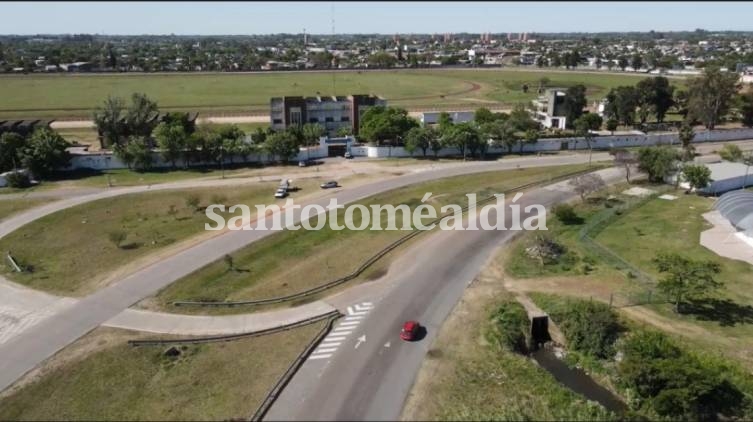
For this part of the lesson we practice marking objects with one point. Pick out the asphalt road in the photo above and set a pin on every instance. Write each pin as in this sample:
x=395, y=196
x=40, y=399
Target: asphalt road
x=33, y=346
x=372, y=371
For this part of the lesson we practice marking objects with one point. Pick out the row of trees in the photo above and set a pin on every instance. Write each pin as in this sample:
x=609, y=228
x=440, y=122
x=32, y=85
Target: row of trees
x=708, y=99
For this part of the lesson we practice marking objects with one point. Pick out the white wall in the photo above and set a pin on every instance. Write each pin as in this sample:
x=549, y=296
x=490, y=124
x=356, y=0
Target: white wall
x=103, y=161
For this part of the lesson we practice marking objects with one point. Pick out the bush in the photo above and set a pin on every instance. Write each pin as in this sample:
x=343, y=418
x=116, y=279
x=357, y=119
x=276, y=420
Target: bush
x=193, y=201
x=589, y=327
x=674, y=383
x=510, y=327
x=566, y=214
x=18, y=179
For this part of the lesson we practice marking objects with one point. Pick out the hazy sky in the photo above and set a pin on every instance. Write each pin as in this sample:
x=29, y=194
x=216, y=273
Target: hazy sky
x=207, y=18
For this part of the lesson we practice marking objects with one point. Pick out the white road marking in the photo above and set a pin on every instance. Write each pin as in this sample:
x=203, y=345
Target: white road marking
x=314, y=357
x=355, y=314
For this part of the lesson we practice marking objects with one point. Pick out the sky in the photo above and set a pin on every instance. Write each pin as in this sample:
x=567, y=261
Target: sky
x=240, y=18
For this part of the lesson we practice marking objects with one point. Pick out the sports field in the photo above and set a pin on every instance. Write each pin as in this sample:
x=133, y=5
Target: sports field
x=60, y=95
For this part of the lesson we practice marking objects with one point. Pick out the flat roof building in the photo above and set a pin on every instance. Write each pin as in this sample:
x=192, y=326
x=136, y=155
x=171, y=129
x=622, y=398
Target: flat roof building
x=549, y=108
x=331, y=112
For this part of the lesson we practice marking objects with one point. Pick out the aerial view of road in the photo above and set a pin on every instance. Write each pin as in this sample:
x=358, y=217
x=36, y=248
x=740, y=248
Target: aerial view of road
x=370, y=212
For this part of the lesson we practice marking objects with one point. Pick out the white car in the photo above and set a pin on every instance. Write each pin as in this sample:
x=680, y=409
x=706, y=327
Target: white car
x=281, y=193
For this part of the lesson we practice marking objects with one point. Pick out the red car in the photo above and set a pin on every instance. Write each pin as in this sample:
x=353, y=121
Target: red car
x=410, y=330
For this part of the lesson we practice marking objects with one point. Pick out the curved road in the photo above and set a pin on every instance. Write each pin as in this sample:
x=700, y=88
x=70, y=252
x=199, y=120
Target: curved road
x=34, y=345
x=371, y=370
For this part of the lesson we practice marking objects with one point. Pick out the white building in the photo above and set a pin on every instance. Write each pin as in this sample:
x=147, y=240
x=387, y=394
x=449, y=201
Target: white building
x=549, y=108
x=432, y=117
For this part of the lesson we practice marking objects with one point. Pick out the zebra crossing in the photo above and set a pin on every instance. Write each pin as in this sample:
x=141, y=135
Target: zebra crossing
x=330, y=343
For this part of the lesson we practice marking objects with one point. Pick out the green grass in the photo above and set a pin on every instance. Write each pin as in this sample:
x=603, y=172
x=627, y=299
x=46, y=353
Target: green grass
x=28, y=96
x=293, y=261
x=9, y=207
x=70, y=250
x=219, y=381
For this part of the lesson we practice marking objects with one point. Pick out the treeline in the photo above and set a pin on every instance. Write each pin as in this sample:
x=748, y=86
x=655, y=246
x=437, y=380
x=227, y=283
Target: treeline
x=136, y=130
x=709, y=99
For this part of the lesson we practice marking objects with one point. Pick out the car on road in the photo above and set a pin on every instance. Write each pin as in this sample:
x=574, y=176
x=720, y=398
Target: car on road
x=410, y=330
x=329, y=185
x=281, y=193
x=348, y=155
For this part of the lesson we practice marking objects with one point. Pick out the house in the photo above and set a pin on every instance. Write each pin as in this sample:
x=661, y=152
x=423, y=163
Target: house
x=549, y=108
x=332, y=112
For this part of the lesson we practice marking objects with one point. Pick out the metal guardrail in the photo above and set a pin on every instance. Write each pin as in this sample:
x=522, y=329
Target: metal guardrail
x=230, y=337
x=374, y=258
x=274, y=393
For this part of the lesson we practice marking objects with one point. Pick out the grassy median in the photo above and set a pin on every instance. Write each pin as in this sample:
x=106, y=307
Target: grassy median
x=72, y=251
x=102, y=378
x=293, y=261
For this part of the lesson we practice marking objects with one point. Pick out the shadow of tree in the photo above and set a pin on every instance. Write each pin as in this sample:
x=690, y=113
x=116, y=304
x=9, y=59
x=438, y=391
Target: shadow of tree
x=724, y=311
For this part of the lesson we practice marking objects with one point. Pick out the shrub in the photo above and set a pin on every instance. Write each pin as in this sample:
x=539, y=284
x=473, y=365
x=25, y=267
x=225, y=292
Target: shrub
x=510, y=327
x=117, y=237
x=590, y=327
x=676, y=384
x=18, y=179
x=566, y=214
x=193, y=201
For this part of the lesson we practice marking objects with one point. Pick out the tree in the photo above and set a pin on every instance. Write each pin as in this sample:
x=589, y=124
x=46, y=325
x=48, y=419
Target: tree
x=698, y=176
x=141, y=116
x=681, y=100
x=463, y=136
x=575, y=102
x=380, y=124
x=612, y=125
x=621, y=104
x=232, y=139
x=731, y=152
x=382, y=60
x=530, y=137
x=710, y=95
x=171, y=139
x=583, y=127
x=229, y=262
x=435, y=140
x=657, y=161
x=312, y=132
x=109, y=119
x=622, y=62
x=417, y=138
x=45, y=151
x=746, y=109
x=685, y=278
x=587, y=184
x=282, y=145
x=686, y=135
x=656, y=94
x=344, y=131
x=636, y=62
x=135, y=153
x=483, y=115
x=11, y=145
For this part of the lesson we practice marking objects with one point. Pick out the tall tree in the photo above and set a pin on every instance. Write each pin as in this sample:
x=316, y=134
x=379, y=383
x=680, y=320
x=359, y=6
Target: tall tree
x=171, y=139
x=141, y=116
x=711, y=95
x=11, y=145
x=575, y=102
x=110, y=121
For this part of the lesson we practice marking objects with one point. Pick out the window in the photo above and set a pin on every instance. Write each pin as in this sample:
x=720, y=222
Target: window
x=329, y=119
x=295, y=117
x=345, y=119
x=313, y=120
x=277, y=121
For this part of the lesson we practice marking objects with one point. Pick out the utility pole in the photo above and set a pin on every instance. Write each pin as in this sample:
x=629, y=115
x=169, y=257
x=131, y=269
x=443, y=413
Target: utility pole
x=222, y=160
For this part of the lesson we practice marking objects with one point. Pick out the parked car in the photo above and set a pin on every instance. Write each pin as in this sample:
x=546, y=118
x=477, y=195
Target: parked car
x=410, y=330
x=329, y=185
x=281, y=193
x=303, y=163
x=348, y=155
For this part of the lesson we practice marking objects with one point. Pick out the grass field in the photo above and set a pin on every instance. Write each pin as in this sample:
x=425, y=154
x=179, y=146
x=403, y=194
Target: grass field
x=292, y=261
x=9, y=207
x=26, y=96
x=114, y=381
x=61, y=247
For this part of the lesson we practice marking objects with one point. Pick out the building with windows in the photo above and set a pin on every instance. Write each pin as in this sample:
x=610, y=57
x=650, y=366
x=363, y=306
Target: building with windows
x=330, y=112
x=549, y=108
